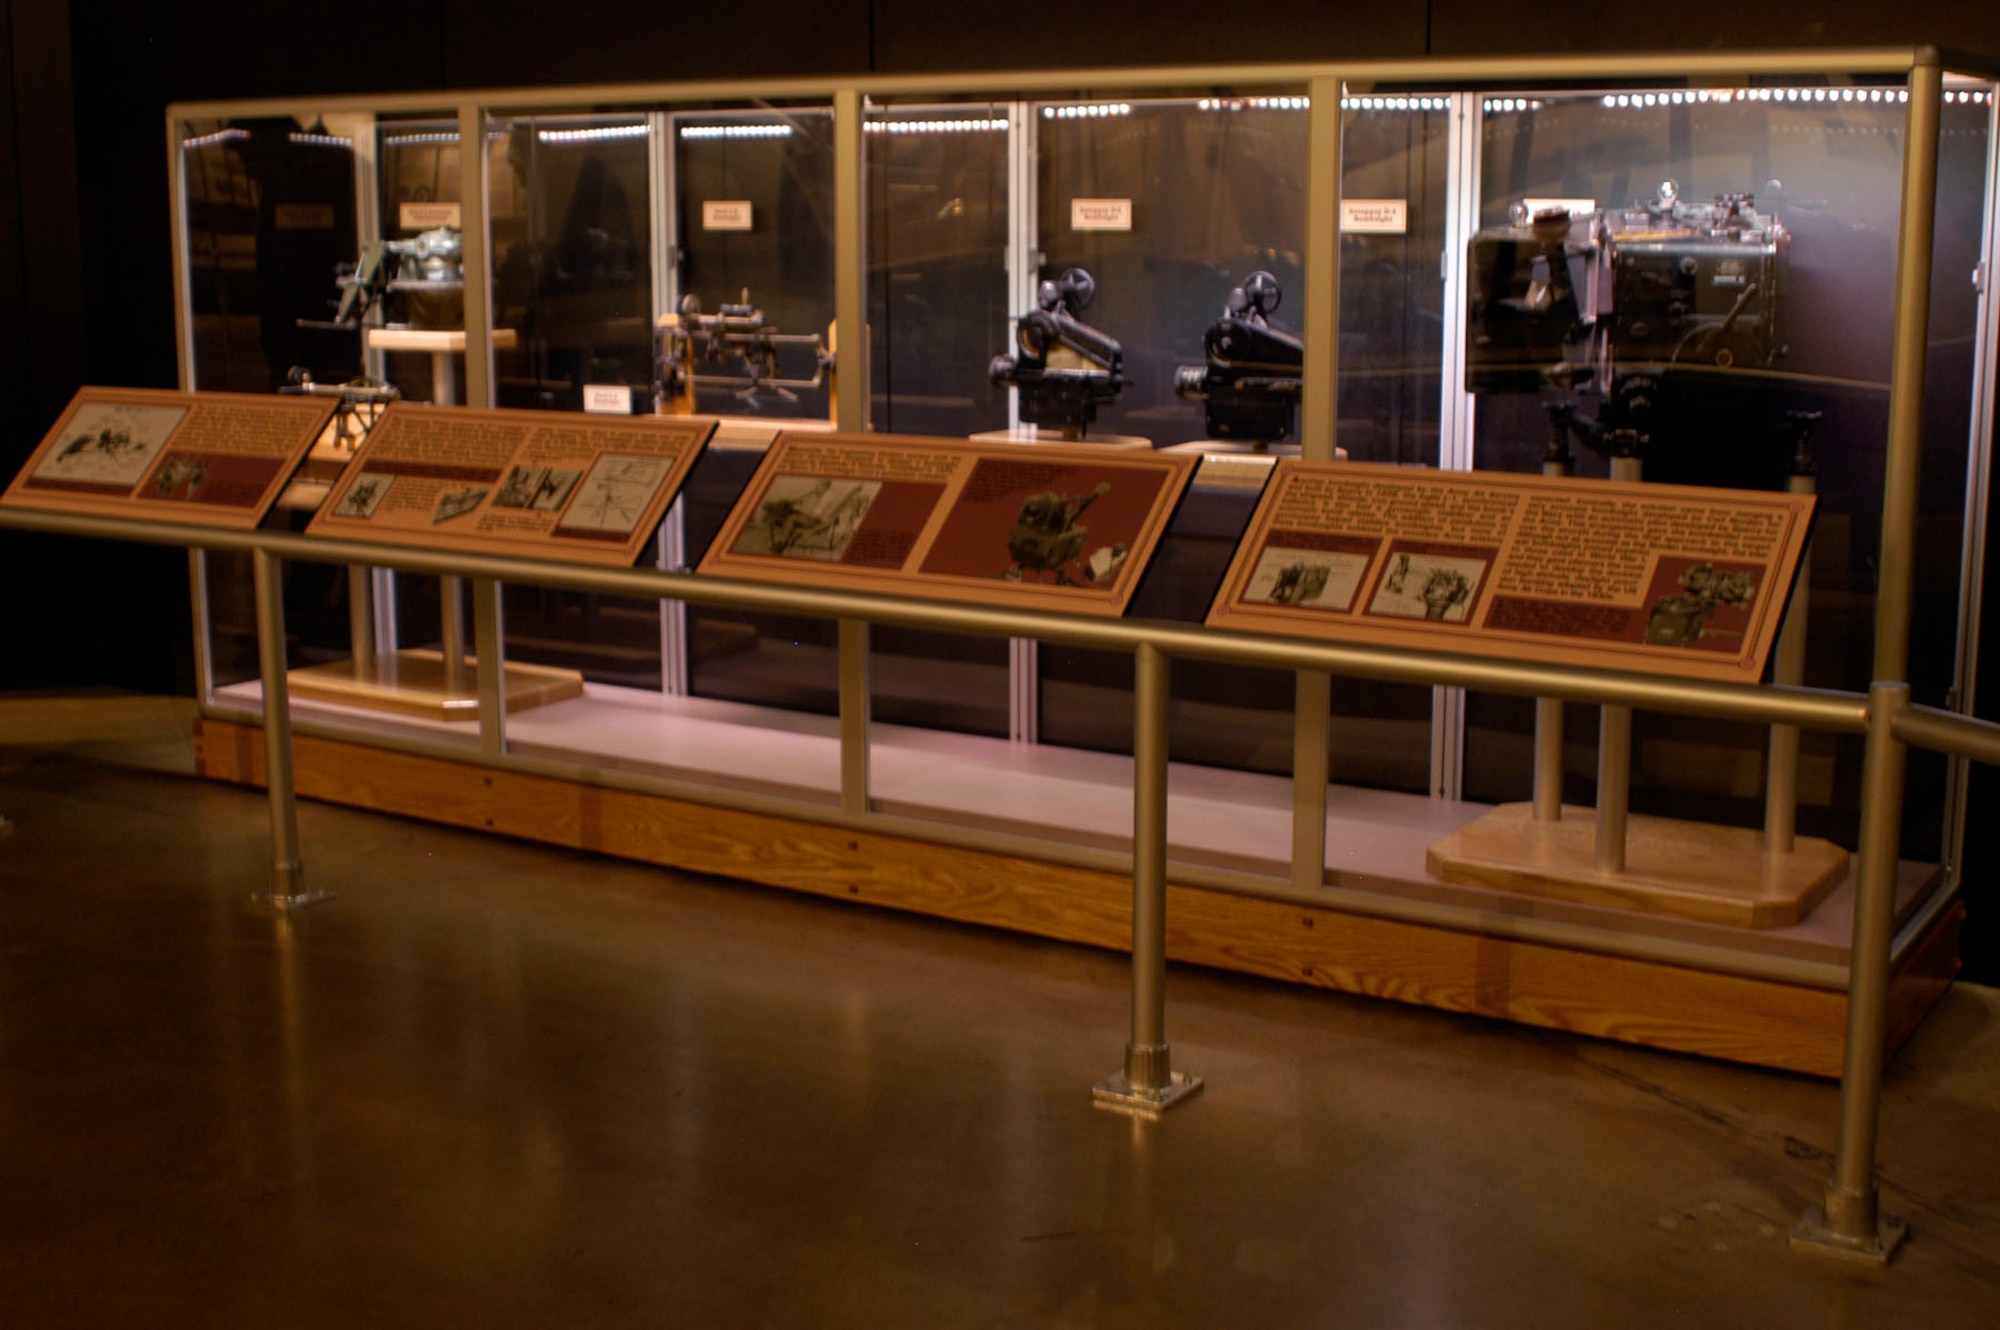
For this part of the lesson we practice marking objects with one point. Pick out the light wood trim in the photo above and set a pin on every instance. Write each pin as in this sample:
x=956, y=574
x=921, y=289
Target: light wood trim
x=1662, y=1006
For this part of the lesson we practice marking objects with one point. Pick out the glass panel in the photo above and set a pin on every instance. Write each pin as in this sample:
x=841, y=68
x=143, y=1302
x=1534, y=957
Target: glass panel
x=1394, y=151
x=1228, y=174
x=568, y=207
x=752, y=208
x=753, y=221
x=270, y=215
x=1741, y=312
x=938, y=221
x=1168, y=206
x=572, y=259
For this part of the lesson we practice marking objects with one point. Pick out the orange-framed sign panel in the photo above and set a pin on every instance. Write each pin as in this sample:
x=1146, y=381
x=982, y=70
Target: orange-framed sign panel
x=207, y=459
x=536, y=484
x=1663, y=579
x=998, y=523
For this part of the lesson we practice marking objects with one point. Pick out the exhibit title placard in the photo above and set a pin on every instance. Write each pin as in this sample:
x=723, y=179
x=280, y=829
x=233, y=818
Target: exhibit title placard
x=1664, y=579
x=1383, y=217
x=1003, y=524
x=1100, y=214
x=726, y=215
x=426, y=215
x=211, y=459
x=575, y=488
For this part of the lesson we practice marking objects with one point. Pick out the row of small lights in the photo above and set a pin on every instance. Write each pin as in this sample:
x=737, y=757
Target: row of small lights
x=1722, y=95
x=1098, y=110
x=736, y=131
x=219, y=136
x=1087, y=111
x=434, y=138
x=597, y=135
x=1305, y=104
x=934, y=126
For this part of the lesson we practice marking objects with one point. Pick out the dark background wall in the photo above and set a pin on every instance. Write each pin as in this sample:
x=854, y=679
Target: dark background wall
x=85, y=265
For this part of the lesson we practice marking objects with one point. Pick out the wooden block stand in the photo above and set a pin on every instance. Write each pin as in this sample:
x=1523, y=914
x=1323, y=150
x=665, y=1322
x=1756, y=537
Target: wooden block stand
x=1762, y=1022
x=1690, y=870
x=414, y=682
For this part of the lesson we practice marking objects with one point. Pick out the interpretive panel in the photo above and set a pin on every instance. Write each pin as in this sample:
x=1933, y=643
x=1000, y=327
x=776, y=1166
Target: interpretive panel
x=580, y=489
x=1667, y=579
x=1004, y=524
x=211, y=459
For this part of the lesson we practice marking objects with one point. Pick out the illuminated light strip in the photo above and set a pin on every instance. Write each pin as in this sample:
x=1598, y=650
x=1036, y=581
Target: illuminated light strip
x=323, y=140
x=1505, y=105
x=1087, y=111
x=934, y=126
x=596, y=135
x=417, y=140
x=1398, y=103
x=219, y=136
x=1404, y=103
x=736, y=131
x=1717, y=96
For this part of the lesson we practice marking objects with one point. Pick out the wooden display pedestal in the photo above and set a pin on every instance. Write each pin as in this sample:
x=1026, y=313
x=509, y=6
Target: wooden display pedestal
x=1689, y=870
x=1030, y=434
x=1292, y=938
x=414, y=683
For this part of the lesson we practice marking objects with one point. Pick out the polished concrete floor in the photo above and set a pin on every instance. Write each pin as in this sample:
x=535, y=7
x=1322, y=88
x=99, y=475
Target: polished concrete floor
x=498, y=1085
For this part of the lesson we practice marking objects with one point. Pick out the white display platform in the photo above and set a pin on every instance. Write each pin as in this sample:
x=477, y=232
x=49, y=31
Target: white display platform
x=1221, y=819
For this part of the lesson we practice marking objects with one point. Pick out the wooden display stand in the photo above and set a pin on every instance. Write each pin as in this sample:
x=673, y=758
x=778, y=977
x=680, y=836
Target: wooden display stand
x=415, y=682
x=1635, y=1000
x=442, y=345
x=1031, y=434
x=1688, y=870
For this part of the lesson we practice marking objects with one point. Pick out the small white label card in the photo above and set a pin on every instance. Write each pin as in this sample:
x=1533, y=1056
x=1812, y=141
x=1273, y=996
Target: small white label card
x=1100, y=214
x=725, y=214
x=607, y=399
x=1384, y=217
x=426, y=216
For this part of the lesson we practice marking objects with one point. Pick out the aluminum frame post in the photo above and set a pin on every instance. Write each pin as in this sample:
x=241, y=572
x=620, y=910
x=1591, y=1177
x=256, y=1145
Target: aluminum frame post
x=1319, y=389
x=1148, y=1084
x=360, y=613
x=488, y=625
x=1614, y=746
x=854, y=404
x=1310, y=770
x=288, y=877
x=854, y=716
x=451, y=632
x=1558, y=461
x=1851, y=1224
x=1781, y=779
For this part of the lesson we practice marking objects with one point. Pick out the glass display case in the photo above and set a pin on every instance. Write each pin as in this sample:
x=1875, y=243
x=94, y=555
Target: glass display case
x=1687, y=277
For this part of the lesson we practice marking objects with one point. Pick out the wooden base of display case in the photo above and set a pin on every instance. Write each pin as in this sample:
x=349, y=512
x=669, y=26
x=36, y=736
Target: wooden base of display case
x=414, y=683
x=1654, y=1003
x=1690, y=870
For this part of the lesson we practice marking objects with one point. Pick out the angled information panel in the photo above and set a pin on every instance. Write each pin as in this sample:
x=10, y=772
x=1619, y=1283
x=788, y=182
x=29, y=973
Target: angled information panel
x=544, y=485
x=1003, y=524
x=210, y=459
x=1664, y=579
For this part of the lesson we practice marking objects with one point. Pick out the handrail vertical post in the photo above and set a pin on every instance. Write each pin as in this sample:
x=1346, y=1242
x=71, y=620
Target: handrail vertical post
x=1148, y=1084
x=288, y=879
x=1850, y=1224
